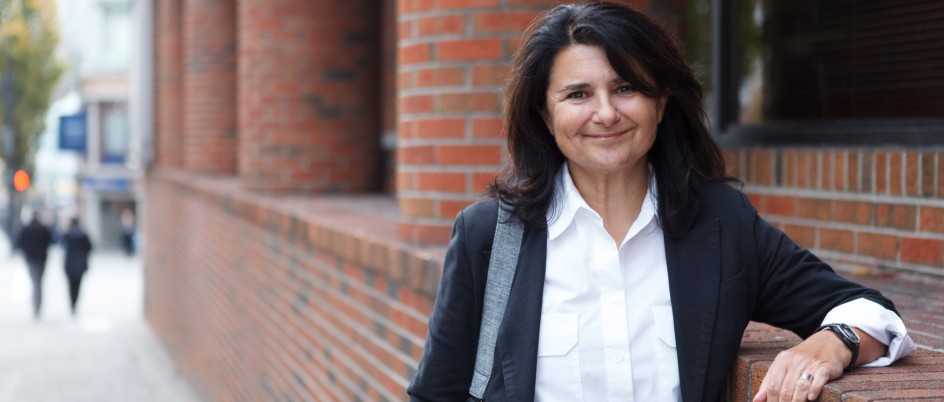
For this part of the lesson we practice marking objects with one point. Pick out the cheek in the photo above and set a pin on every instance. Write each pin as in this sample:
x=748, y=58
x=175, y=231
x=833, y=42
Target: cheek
x=564, y=122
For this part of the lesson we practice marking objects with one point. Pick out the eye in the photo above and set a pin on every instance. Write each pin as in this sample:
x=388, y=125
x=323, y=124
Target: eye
x=623, y=89
x=577, y=95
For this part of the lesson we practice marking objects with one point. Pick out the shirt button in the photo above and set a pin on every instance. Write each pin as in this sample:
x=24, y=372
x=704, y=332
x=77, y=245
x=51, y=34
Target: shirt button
x=616, y=357
x=612, y=299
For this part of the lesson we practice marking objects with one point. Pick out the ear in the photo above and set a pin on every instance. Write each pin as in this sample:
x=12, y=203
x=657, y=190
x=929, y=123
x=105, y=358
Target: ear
x=660, y=106
x=546, y=117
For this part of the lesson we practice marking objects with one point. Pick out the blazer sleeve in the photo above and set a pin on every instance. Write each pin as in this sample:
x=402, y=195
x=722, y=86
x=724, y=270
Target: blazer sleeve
x=445, y=369
x=795, y=288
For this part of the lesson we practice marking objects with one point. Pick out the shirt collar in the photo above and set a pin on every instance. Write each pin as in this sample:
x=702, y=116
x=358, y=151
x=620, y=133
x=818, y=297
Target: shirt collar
x=568, y=202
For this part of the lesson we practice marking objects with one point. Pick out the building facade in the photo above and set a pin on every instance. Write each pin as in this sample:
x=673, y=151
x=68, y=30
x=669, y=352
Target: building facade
x=285, y=264
x=96, y=172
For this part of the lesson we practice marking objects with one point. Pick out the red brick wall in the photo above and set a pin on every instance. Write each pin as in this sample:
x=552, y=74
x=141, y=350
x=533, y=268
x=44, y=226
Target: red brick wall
x=308, y=95
x=167, y=82
x=209, y=101
x=261, y=295
x=305, y=298
x=280, y=298
x=451, y=59
x=873, y=209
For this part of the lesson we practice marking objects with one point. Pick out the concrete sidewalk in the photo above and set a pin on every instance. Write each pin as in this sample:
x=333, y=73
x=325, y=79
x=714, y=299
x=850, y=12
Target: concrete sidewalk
x=106, y=353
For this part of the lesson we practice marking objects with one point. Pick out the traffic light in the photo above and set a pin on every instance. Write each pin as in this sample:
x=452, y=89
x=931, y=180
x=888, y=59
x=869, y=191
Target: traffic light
x=21, y=180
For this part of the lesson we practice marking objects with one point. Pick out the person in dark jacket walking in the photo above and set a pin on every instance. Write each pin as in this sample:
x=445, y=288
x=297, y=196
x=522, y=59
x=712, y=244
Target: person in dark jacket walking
x=77, y=246
x=34, y=240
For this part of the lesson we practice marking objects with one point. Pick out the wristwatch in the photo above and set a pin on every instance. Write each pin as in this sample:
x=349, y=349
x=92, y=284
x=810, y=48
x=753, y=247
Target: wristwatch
x=848, y=337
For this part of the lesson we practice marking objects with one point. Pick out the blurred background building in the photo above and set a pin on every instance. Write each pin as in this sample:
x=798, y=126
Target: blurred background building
x=91, y=161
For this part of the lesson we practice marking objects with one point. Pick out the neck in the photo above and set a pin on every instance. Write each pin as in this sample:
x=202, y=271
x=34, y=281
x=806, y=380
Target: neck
x=616, y=196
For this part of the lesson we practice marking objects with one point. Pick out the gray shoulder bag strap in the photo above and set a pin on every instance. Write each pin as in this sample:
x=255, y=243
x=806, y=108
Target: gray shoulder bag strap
x=501, y=272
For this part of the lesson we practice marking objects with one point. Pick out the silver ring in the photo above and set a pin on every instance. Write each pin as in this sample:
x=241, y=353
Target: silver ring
x=807, y=376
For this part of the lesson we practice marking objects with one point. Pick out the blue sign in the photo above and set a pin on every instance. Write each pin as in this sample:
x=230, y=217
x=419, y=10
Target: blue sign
x=106, y=184
x=72, y=134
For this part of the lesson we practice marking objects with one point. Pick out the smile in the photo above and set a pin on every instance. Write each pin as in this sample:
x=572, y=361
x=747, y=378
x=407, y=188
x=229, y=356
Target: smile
x=607, y=135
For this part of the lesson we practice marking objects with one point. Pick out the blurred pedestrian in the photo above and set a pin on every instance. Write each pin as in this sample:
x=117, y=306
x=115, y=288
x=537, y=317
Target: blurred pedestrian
x=77, y=246
x=34, y=240
x=127, y=231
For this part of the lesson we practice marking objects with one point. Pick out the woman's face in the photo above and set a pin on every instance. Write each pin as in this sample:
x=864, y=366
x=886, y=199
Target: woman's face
x=599, y=122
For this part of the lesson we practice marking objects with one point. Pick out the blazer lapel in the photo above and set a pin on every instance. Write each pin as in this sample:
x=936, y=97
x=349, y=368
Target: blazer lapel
x=517, y=342
x=694, y=266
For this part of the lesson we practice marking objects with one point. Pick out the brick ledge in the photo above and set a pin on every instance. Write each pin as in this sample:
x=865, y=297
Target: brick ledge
x=363, y=229
x=360, y=228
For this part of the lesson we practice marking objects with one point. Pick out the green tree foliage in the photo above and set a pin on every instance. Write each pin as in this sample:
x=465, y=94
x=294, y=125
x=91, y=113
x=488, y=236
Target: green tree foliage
x=29, y=35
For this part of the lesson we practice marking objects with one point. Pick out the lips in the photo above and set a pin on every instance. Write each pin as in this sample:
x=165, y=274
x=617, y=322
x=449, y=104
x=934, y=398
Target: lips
x=607, y=135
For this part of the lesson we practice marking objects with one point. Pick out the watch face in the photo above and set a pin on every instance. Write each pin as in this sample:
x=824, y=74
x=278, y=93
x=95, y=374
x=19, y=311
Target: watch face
x=848, y=333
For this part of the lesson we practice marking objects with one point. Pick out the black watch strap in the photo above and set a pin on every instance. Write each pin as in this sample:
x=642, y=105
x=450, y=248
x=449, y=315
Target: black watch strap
x=848, y=337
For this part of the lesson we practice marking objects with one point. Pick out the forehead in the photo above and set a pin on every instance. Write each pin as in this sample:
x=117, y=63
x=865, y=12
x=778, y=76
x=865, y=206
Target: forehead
x=591, y=61
x=580, y=62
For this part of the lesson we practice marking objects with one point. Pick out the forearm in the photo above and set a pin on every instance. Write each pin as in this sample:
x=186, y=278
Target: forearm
x=870, y=349
x=883, y=337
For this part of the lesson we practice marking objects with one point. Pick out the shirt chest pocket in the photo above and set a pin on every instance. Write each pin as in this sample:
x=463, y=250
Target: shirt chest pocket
x=558, y=334
x=558, y=368
x=664, y=328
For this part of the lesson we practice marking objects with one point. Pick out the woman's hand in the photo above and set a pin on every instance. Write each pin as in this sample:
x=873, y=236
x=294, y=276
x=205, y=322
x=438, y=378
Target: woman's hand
x=822, y=355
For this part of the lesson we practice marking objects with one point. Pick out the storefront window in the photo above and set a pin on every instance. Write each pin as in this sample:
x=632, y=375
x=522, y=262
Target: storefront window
x=115, y=136
x=831, y=67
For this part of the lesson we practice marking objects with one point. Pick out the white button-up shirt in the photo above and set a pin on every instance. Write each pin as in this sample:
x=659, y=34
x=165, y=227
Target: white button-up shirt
x=607, y=332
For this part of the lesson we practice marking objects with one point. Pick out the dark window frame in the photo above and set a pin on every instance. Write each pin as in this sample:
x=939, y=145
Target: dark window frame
x=729, y=133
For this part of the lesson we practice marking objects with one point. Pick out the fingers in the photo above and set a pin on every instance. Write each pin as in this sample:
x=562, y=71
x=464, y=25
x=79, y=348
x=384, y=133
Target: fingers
x=802, y=388
x=762, y=393
x=820, y=356
x=760, y=397
x=774, y=376
x=806, y=387
x=790, y=378
x=820, y=378
x=793, y=384
x=797, y=390
x=797, y=384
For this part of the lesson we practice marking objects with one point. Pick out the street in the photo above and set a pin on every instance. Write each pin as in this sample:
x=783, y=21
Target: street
x=106, y=353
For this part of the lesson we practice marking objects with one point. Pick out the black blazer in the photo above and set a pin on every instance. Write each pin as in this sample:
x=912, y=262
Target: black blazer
x=733, y=267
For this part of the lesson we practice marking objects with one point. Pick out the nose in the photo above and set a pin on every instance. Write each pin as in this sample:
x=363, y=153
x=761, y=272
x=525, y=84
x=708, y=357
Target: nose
x=606, y=113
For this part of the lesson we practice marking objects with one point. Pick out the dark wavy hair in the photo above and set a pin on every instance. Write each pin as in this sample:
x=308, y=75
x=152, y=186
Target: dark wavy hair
x=684, y=157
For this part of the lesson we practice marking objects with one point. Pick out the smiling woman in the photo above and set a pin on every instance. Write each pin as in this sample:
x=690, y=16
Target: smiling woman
x=603, y=128
x=640, y=267
x=643, y=56
x=598, y=121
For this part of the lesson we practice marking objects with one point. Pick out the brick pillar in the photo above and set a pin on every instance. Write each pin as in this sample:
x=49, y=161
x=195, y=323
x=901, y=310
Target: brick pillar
x=452, y=59
x=167, y=82
x=308, y=95
x=209, y=116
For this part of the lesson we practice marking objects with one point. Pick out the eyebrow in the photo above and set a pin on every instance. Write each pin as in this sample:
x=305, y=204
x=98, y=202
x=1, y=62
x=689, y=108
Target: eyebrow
x=573, y=87
x=584, y=85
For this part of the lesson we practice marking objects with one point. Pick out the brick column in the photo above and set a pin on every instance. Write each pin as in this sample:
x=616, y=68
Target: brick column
x=209, y=116
x=453, y=56
x=167, y=82
x=308, y=95
x=450, y=64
